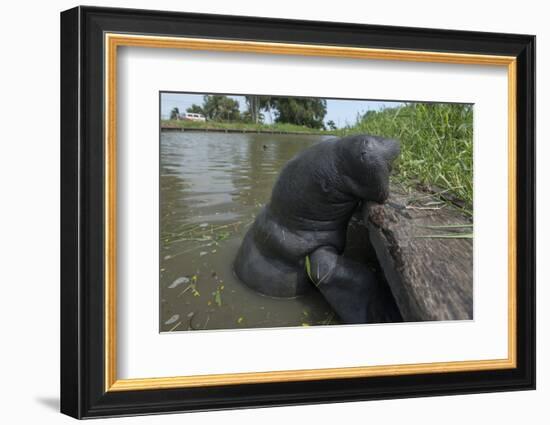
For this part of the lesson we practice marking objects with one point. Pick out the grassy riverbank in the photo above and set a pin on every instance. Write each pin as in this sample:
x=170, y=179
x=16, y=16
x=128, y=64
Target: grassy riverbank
x=436, y=145
x=242, y=126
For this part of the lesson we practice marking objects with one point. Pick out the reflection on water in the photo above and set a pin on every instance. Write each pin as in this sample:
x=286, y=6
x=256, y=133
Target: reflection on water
x=211, y=187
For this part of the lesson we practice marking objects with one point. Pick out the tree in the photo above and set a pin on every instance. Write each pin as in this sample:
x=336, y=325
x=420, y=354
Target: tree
x=331, y=125
x=220, y=108
x=175, y=114
x=309, y=112
x=247, y=117
x=195, y=109
x=255, y=105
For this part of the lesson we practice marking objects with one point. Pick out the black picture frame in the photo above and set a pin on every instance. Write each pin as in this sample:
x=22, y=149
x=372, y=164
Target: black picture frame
x=83, y=392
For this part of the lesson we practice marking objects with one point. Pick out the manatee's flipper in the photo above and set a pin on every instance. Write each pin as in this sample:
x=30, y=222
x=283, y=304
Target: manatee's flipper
x=267, y=274
x=352, y=290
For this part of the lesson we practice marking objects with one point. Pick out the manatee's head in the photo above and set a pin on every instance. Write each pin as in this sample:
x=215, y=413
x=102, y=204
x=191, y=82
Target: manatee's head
x=366, y=163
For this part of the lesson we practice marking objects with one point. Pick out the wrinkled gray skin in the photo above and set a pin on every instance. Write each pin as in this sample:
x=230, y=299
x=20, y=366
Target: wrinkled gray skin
x=311, y=204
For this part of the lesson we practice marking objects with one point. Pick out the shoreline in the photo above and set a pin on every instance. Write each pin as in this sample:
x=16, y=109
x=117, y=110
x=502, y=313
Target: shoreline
x=244, y=130
x=241, y=127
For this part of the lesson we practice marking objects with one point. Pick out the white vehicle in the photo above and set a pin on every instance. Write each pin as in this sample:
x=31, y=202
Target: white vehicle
x=190, y=116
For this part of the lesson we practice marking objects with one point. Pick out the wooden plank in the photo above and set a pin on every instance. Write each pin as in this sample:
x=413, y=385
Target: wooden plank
x=430, y=277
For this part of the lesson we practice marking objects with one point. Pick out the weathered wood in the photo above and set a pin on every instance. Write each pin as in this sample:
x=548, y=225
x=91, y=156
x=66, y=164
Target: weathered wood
x=430, y=277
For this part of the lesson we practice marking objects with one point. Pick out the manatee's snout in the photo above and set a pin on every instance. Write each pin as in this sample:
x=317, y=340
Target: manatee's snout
x=392, y=149
x=366, y=163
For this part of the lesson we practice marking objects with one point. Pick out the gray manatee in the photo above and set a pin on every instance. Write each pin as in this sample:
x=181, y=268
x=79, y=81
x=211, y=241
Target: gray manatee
x=306, y=221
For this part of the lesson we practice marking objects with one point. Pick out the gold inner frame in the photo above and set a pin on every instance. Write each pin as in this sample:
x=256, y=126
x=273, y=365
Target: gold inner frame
x=113, y=41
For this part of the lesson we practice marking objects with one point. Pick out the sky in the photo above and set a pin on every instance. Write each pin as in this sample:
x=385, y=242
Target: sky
x=342, y=112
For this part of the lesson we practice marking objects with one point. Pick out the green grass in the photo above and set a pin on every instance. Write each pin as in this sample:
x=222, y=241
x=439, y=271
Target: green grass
x=436, y=144
x=244, y=126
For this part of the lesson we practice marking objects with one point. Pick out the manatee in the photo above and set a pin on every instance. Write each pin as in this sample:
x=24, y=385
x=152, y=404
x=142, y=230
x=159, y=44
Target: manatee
x=305, y=222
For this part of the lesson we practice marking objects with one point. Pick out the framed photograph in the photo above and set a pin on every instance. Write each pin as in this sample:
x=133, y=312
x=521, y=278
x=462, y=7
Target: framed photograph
x=261, y=212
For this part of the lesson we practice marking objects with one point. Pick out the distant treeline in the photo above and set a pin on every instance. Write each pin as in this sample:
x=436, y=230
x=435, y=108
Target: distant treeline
x=304, y=111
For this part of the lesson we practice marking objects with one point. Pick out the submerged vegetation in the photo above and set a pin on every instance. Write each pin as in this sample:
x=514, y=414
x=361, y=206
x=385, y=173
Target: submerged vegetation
x=436, y=145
